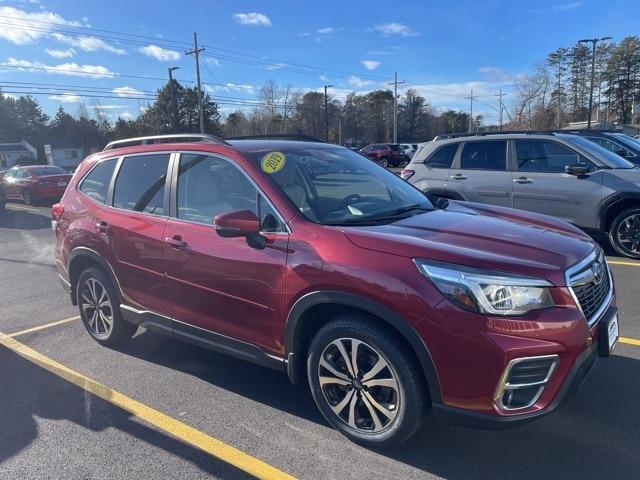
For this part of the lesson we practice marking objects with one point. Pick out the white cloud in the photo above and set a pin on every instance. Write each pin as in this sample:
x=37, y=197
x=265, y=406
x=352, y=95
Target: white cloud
x=254, y=19
x=395, y=28
x=559, y=7
x=304, y=34
x=379, y=52
x=370, y=64
x=324, y=78
x=326, y=30
x=231, y=87
x=55, y=53
x=70, y=69
x=159, y=53
x=276, y=66
x=359, y=82
x=66, y=97
x=13, y=19
x=212, y=61
x=88, y=44
x=113, y=107
x=126, y=116
x=127, y=91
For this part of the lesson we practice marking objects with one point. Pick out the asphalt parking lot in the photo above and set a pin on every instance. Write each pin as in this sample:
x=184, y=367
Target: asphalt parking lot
x=162, y=409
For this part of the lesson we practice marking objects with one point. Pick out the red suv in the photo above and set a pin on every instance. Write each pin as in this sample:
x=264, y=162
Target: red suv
x=309, y=259
x=35, y=183
x=386, y=154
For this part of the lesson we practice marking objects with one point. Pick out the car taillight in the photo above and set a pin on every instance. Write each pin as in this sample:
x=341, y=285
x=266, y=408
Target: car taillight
x=407, y=174
x=56, y=211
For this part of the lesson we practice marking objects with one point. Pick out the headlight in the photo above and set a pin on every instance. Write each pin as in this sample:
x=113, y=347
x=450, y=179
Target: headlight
x=486, y=292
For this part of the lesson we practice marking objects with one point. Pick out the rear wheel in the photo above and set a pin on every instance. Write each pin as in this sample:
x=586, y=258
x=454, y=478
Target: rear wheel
x=27, y=199
x=624, y=234
x=99, y=309
x=365, y=383
x=384, y=161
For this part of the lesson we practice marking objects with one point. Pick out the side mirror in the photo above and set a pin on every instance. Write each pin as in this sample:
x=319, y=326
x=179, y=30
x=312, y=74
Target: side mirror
x=578, y=170
x=240, y=223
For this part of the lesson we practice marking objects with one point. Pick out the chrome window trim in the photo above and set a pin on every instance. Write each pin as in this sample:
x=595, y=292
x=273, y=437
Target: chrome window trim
x=503, y=384
x=246, y=175
x=572, y=281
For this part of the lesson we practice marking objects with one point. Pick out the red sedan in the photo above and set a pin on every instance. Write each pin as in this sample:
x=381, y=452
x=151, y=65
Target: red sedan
x=36, y=182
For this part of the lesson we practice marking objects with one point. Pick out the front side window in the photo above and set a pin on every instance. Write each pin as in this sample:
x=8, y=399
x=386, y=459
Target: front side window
x=484, y=155
x=140, y=183
x=543, y=156
x=96, y=184
x=335, y=186
x=209, y=186
x=443, y=157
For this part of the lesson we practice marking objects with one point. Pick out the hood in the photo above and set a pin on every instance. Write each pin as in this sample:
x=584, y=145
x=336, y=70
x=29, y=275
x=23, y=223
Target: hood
x=480, y=236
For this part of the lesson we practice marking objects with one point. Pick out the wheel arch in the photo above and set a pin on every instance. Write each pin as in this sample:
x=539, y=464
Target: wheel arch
x=314, y=309
x=615, y=204
x=82, y=258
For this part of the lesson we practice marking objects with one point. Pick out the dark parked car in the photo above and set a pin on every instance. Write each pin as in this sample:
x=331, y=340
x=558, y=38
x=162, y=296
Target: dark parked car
x=35, y=183
x=619, y=143
x=308, y=258
x=386, y=154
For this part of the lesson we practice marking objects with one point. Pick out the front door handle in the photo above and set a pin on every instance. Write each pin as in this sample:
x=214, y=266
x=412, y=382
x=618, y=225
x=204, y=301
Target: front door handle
x=176, y=242
x=523, y=180
x=458, y=176
x=102, y=226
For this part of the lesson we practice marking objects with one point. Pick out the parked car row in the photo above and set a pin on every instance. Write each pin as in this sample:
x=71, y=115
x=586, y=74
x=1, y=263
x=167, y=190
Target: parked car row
x=310, y=259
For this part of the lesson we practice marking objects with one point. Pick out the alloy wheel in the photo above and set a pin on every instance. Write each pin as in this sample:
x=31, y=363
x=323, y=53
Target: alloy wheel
x=628, y=234
x=96, y=306
x=358, y=385
x=26, y=197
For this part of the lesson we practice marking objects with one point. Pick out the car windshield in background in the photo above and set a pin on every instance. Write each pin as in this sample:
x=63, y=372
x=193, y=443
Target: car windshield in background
x=395, y=148
x=335, y=186
x=610, y=159
x=46, y=171
x=627, y=140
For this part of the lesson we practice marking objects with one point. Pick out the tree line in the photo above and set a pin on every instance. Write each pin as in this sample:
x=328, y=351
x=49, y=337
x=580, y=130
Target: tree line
x=557, y=91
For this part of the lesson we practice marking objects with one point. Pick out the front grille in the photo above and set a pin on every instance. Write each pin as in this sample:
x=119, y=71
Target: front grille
x=591, y=285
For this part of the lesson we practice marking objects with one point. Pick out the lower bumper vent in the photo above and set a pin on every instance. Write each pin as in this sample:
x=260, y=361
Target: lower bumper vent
x=523, y=381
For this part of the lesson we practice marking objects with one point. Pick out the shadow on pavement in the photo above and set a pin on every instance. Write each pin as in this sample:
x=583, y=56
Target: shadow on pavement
x=37, y=394
x=594, y=435
x=23, y=220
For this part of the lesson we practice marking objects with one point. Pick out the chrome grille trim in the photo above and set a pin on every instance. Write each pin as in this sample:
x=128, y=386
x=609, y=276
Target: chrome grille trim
x=581, y=274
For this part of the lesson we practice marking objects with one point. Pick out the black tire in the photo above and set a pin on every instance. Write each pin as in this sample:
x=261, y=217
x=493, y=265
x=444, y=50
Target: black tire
x=409, y=405
x=384, y=161
x=120, y=330
x=626, y=225
x=26, y=197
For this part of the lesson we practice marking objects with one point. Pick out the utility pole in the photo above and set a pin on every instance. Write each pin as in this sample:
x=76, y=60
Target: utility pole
x=326, y=113
x=174, y=110
x=471, y=98
x=395, y=84
x=593, y=42
x=500, y=95
x=196, y=53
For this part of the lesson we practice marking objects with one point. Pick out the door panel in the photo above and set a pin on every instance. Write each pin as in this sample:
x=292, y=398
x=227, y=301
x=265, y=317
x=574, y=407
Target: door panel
x=540, y=184
x=223, y=284
x=480, y=173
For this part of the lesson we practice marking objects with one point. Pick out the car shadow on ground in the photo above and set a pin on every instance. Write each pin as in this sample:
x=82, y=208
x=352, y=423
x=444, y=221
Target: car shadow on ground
x=23, y=220
x=37, y=394
x=593, y=435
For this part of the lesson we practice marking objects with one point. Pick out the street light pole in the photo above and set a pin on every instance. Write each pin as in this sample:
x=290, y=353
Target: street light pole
x=326, y=113
x=593, y=42
x=174, y=110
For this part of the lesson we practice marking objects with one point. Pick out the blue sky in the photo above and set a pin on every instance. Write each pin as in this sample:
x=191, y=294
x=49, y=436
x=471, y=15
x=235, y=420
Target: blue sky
x=443, y=49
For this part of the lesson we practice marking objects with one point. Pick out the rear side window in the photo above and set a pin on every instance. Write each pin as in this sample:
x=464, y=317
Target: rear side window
x=96, y=184
x=547, y=157
x=443, y=157
x=140, y=184
x=489, y=155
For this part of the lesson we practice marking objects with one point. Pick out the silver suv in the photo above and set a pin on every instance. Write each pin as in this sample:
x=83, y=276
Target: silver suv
x=564, y=175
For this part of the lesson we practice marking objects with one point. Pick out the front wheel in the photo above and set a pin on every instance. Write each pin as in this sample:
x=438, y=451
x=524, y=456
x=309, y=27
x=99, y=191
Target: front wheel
x=27, y=199
x=365, y=382
x=624, y=234
x=384, y=161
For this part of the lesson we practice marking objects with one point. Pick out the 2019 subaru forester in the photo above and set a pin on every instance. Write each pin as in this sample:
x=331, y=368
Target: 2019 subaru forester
x=308, y=258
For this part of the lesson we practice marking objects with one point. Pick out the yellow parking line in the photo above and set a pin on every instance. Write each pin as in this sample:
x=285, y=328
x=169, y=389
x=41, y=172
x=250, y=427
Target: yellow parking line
x=42, y=327
x=161, y=421
x=629, y=341
x=620, y=262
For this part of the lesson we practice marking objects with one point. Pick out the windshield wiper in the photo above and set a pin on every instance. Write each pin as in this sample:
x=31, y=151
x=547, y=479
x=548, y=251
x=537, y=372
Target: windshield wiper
x=383, y=217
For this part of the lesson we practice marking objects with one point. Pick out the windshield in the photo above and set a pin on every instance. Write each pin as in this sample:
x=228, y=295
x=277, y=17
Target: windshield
x=395, y=148
x=628, y=140
x=608, y=158
x=336, y=186
x=45, y=171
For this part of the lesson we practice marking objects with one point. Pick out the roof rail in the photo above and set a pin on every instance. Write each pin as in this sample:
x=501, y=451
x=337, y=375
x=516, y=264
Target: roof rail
x=495, y=132
x=278, y=136
x=153, y=139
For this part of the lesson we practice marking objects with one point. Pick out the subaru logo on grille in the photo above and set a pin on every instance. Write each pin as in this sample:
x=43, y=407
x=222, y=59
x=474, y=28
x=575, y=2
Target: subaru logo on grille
x=598, y=272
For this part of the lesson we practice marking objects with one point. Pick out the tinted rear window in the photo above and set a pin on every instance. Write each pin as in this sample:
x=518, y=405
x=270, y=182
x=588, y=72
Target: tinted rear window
x=45, y=171
x=140, y=184
x=487, y=155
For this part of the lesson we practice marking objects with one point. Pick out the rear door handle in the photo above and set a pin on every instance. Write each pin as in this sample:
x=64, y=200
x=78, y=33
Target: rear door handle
x=102, y=226
x=176, y=242
x=458, y=176
x=523, y=180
